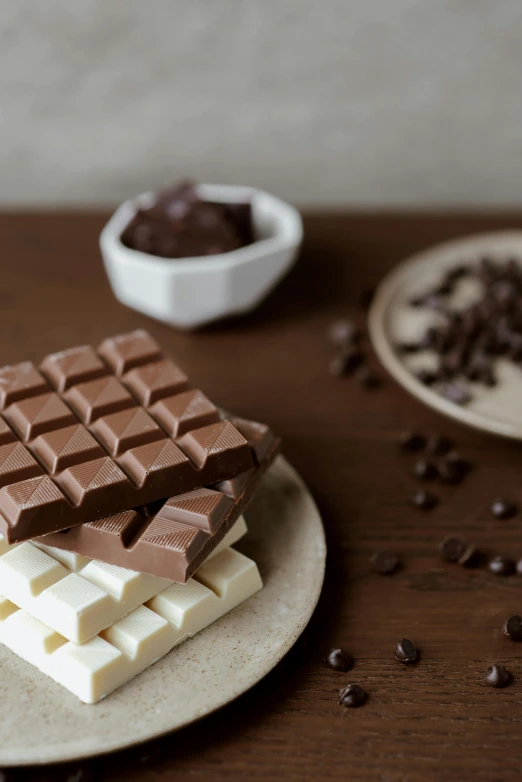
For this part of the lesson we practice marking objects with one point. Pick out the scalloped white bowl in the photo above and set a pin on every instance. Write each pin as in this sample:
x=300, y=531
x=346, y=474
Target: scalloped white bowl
x=189, y=292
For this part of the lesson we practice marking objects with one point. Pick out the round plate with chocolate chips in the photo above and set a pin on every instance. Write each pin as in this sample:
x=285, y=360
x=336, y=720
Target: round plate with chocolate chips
x=447, y=324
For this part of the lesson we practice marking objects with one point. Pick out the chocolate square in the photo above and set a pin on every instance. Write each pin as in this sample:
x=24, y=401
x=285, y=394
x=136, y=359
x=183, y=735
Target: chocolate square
x=180, y=413
x=69, y=367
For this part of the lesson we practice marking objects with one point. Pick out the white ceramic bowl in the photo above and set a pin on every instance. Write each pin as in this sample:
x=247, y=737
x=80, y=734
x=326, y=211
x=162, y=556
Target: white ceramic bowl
x=189, y=292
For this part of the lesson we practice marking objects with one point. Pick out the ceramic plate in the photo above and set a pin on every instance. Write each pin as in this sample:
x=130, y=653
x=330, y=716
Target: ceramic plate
x=392, y=320
x=43, y=723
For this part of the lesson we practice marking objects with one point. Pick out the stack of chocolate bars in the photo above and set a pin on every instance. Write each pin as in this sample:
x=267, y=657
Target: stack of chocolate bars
x=122, y=490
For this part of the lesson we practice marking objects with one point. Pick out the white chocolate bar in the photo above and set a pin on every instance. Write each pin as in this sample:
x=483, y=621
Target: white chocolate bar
x=76, y=596
x=94, y=669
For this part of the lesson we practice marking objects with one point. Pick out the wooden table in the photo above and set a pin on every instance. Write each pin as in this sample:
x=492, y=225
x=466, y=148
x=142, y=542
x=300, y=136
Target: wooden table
x=432, y=722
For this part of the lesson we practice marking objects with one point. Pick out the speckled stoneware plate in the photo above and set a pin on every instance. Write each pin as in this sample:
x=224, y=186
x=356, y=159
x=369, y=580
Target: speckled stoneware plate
x=392, y=320
x=43, y=723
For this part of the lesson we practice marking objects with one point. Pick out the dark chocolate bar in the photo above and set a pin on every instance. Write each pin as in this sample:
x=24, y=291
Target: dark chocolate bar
x=98, y=432
x=172, y=540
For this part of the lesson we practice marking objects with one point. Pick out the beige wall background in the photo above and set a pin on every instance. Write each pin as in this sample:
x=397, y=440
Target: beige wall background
x=366, y=103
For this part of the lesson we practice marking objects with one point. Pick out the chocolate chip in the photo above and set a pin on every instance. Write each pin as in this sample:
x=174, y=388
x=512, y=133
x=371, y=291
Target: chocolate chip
x=451, y=549
x=368, y=378
x=352, y=696
x=424, y=470
x=503, y=509
x=412, y=441
x=350, y=359
x=339, y=660
x=345, y=363
x=457, y=273
x=488, y=378
x=456, y=393
x=497, y=676
x=438, y=445
x=427, y=376
x=450, y=473
x=502, y=566
x=406, y=652
x=344, y=332
x=471, y=557
x=407, y=348
x=465, y=464
x=453, y=469
x=424, y=500
x=384, y=562
x=513, y=627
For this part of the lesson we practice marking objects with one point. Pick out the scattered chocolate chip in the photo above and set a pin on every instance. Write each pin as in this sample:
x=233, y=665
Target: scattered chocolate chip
x=367, y=377
x=344, y=332
x=425, y=470
x=424, y=500
x=513, y=627
x=450, y=472
x=438, y=445
x=503, y=509
x=412, y=441
x=339, y=660
x=352, y=696
x=384, y=562
x=471, y=557
x=346, y=363
x=406, y=652
x=451, y=549
x=497, y=676
x=453, y=469
x=465, y=464
x=351, y=359
x=502, y=566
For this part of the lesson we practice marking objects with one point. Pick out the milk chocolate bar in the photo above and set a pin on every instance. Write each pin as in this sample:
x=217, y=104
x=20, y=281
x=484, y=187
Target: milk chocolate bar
x=98, y=432
x=173, y=538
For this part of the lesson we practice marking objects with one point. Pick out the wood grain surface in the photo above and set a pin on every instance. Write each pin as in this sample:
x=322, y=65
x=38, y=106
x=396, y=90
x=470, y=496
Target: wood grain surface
x=436, y=721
